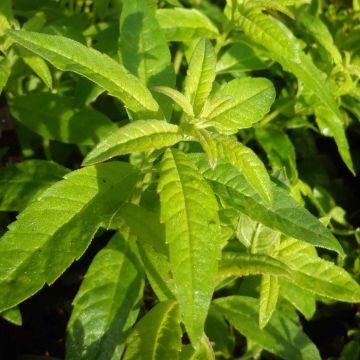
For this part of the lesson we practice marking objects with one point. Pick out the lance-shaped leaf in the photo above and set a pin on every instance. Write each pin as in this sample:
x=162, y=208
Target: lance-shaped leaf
x=55, y=117
x=284, y=214
x=191, y=225
x=209, y=145
x=200, y=74
x=177, y=97
x=22, y=182
x=157, y=335
x=281, y=336
x=75, y=208
x=107, y=303
x=144, y=50
x=239, y=264
x=69, y=55
x=247, y=162
x=253, y=98
x=141, y=135
x=301, y=299
x=321, y=277
x=185, y=24
x=269, y=293
x=38, y=65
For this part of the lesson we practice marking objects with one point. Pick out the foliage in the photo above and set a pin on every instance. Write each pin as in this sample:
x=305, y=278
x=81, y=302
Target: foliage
x=189, y=132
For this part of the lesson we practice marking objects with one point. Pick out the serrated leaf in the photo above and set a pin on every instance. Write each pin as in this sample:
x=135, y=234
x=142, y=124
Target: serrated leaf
x=247, y=162
x=284, y=214
x=23, y=182
x=301, y=299
x=281, y=336
x=56, y=117
x=143, y=48
x=200, y=74
x=253, y=98
x=141, y=135
x=177, y=97
x=190, y=226
x=321, y=277
x=157, y=335
x=12, y=315
x=38, y=65
x=180, y=24
x=107, y=303
x=75, y=208
x=69, y=55
x=241, y=264
x=269, y=293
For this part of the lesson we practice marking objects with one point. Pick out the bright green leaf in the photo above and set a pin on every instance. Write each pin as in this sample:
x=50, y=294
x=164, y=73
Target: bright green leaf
x=69, y=55
x=180, y=24
x=75, y=208
x=190, y=226
x=253, y=98
x=284, y=215
x=269, y=293
x=200, y=74
x=157, y=336
x=141, y=135
x=12, y=315
x=4, y=73
x=107, y=304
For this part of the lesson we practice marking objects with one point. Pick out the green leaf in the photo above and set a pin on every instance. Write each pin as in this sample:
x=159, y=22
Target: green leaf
x=284, y=214
x=143, y=48
x=209, y=145
x=301, y=299
x=75, y=208
x=23, y=182
x=107, y=303
x=247, y=162
x=38, y=65
x=279, y=149
x=180, y=24
x=12, y=315
x=200, y=74
x=56, y=117
x=141, y=135
x=190, y=226
x=177, y=97
x=321, y=277
x=4, y=73
x=203, y=352
x=143, y=223
x=281, y=336
x=269, y=293
x=69, y=55
x=241, y=264
x=6, y=15
x=101, y=7
x=157, y=336
x=253, y=98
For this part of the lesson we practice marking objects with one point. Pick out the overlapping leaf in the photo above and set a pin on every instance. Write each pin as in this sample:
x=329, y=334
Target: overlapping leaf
x=284, y=215
x=37, y=249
